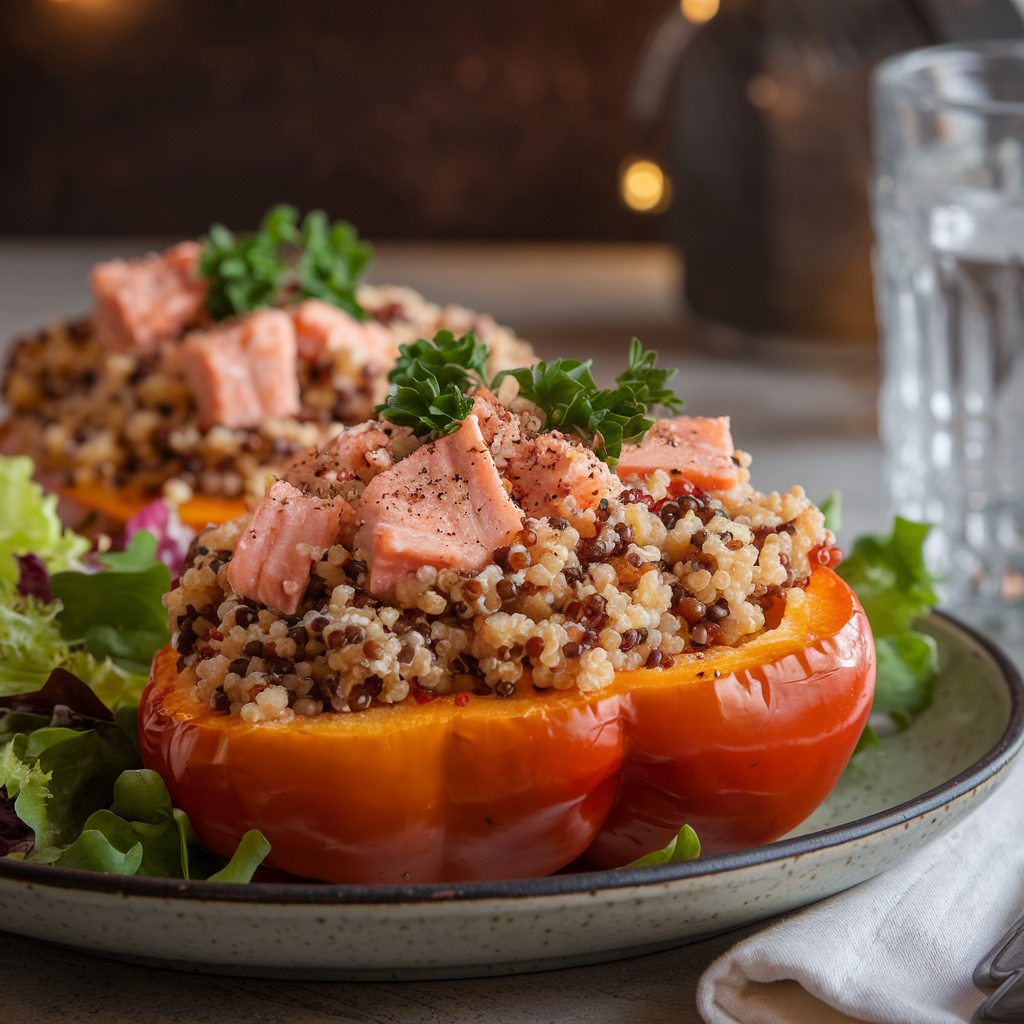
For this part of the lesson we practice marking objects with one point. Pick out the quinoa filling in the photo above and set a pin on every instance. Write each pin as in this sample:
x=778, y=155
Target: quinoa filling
x=88, y=414
x=661, y=570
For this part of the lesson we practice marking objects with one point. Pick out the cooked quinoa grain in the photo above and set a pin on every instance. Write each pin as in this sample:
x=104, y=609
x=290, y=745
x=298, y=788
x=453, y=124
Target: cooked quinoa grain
x=661, y=570
x=89, y=415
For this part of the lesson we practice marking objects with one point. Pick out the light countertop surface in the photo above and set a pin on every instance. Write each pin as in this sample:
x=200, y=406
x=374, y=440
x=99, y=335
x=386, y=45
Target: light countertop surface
x=805, y=411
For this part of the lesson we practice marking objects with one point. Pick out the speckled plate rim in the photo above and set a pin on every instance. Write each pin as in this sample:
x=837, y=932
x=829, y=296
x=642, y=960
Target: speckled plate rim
x=311, y=893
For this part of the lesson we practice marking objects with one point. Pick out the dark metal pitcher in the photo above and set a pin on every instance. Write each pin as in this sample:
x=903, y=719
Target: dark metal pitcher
x=767, y=147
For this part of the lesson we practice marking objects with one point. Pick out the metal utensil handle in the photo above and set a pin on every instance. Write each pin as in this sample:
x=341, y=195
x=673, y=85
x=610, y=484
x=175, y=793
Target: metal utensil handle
x=1002, y=969
x=1003, y=960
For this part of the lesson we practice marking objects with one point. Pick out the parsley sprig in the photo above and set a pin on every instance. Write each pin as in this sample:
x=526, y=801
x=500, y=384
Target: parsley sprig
x=283, y=261
x=565, y=392
x=447, y=359
x=332, y=262
x=431, y=378
x=246, y=271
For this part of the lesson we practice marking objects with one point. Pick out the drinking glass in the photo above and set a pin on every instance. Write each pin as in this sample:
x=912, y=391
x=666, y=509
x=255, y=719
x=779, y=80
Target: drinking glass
x=949, y=273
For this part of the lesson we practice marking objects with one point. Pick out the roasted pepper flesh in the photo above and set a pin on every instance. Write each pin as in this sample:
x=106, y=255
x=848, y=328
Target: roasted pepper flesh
x=119, y=505
x=742, y=744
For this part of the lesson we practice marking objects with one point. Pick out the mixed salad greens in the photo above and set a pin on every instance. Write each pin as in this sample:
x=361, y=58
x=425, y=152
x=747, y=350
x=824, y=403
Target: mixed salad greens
x=78, y=631
x=77, y=635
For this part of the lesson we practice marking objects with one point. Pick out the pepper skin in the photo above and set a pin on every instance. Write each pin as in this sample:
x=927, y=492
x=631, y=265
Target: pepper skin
x=742, y=744
x=120, y=504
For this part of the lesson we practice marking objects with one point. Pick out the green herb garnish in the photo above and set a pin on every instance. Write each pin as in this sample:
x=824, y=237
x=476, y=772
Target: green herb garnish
x=647, y=382
x=431, y=378
x=429, y=383
x=565, y=392
x=429, y=411
x=449, y=360
x=332, y=262
x=247, y=272
x=256, y=271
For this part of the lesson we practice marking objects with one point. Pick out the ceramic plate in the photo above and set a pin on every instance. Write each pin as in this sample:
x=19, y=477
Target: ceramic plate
x=891, y=801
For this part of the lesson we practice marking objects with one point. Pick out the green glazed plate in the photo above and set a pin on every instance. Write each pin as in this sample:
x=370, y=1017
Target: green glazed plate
x=890, y=802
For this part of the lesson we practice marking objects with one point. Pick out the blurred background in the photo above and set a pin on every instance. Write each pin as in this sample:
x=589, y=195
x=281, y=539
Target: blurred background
x=457, y=120
x=692, y=171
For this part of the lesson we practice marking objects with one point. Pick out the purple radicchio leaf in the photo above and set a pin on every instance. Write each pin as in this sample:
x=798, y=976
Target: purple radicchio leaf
x=64, y=694
x=173, y=537
x=34, y=578
x=15, y=835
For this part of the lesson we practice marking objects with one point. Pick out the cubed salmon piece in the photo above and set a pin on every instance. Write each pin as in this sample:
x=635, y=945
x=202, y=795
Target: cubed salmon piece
x=546, y=469
x=494, y=419
x=140, y=303
x=689, y=448
x=287, y=534
x=443, y=506
x=245, y=373
x=321, y=327
x=358, y=453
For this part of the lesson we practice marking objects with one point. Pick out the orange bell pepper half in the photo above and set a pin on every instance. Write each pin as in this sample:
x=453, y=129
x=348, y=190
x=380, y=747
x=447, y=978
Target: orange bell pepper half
x=120, y=504
x=741, y=743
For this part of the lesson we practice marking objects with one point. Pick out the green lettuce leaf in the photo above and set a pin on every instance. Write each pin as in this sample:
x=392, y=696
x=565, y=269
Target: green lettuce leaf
x=30, y=642
x=868, y=739
x=889, y=576
x=143, y=833
x=907, y=666
x=93, y=851
x=60, y=776
x=139, y=556
x=91, y=805
x=31, y=647
x=29, y=522
x=118, y=614
x=832, y=509
x=684, y=846
x=249, y=855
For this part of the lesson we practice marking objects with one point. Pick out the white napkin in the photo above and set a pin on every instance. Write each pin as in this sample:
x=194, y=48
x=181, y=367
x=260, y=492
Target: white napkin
x=899, y=949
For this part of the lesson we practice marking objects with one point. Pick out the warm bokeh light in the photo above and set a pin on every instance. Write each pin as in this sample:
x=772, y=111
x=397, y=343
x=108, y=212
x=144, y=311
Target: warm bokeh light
x=644, y=186
x=699, y=11
x=106, y=6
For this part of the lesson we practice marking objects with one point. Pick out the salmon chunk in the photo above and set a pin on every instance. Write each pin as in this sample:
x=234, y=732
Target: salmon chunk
x=547, y=469
x=443, y=506
x=689, y=448
x=140, y=303
x=243, y=374
x=322, y=328
x=358, y=453
x=496, y=422
x=288, y=533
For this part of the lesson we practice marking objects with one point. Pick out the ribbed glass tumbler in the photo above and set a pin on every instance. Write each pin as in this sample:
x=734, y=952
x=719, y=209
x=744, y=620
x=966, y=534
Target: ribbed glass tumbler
x=949, y=272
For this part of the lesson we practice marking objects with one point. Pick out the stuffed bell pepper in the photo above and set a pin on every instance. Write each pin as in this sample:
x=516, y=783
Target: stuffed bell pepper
x=510, y=623
x=202, y=368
